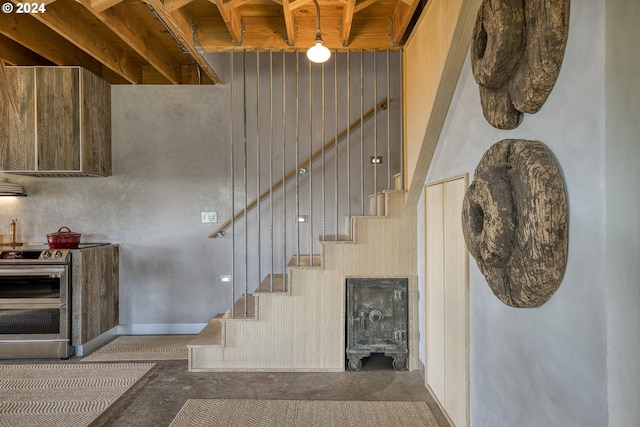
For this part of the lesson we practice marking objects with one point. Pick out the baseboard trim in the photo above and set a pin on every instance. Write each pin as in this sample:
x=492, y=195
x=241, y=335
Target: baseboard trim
x=422, y=370
x=138, y=329
x=161, y=328
x=94, y=344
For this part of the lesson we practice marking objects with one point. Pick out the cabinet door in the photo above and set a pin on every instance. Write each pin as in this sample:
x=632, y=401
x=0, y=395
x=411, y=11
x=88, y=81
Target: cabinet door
x=58, y=118
x=96, y=125
x=447, y=299
x=17, y=130
x=94, y=289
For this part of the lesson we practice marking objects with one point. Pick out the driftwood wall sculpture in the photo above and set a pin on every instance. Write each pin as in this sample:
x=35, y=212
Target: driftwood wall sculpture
x=514, y=221
x=516, y=53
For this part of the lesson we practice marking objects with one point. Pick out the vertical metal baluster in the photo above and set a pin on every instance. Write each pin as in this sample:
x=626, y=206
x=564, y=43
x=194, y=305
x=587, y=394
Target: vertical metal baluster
x=259, y=209
x=271, y=166
x=323, y=157
x=349, y=144
x=388, y=125
x=401, y=127
x=284, y=183
x=244, y=174
x=362, y=132
x=297, y=158
x=335, y=107
x=375, y=132
x=310, y=165
x=233, y=191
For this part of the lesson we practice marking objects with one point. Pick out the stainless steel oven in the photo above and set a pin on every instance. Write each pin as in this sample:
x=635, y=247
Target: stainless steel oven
x=35, y=312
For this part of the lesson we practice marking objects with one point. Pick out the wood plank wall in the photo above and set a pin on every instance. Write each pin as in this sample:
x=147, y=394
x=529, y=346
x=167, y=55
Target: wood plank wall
x=447, y=299
x=305, y=330
x=432, y=60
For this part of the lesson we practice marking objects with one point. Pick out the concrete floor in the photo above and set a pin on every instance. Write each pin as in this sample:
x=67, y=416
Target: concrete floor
x=158, y=396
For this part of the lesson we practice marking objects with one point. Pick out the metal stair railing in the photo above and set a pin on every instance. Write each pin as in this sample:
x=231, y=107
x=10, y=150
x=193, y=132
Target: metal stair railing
x=296, y=130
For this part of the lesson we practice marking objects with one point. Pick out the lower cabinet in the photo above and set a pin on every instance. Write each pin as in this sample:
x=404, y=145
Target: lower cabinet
x=94, y=289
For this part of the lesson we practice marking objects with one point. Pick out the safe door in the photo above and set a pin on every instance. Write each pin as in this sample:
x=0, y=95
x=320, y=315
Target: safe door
x=377, y=320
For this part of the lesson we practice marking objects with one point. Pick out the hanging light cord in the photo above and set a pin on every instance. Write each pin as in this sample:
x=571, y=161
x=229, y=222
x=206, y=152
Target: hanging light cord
x=318, y=34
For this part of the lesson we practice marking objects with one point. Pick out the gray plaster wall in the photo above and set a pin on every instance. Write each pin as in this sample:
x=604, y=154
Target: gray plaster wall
x=169, y=164
x=622, y=131
x=547, y=366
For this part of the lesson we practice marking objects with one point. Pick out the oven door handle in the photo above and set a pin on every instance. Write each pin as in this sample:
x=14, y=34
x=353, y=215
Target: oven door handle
x=32, y=271
x=24, y=304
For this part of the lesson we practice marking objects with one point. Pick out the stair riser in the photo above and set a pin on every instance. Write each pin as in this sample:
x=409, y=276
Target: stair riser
x=303, y=330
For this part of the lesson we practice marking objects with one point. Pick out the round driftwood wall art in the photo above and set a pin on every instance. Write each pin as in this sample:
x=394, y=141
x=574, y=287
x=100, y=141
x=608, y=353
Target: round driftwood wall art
x=514, y=221
x=516, y=54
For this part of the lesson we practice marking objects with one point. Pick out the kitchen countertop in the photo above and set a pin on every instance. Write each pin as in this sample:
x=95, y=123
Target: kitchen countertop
x=40, y=246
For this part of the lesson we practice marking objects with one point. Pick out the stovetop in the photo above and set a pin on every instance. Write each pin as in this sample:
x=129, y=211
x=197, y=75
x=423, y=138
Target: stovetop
x=38, y=253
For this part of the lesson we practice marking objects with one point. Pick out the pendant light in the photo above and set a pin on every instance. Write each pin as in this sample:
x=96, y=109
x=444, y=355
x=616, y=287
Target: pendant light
x=318, y=53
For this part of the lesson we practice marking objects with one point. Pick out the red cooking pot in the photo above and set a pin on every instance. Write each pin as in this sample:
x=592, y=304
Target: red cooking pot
x=63, y=239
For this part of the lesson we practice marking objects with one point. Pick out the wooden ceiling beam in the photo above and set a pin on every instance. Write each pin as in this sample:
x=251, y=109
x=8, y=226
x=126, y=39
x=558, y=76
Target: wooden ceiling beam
x=232, y=4
x=13, y=53
x=401, y=18
x=102, y=5
x=189, y=73
x=232, y=19
x=289, y=22
x=363, y=5
x=298, y=4
x=25, y=30
x=347, y=20
x=173, y=5
x=179, y=22
x=88, y=38
x=261, y=34
x=131, y=31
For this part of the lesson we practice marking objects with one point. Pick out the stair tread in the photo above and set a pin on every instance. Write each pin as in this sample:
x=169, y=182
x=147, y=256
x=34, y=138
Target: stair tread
x=239, y=309
x=305, y=261
x=265, y=286
x=211, y=334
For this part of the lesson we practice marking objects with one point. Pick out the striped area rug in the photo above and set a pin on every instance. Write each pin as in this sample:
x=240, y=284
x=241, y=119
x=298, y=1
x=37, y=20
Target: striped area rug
x=69, y=394
x=143, y=347
x=302, y=413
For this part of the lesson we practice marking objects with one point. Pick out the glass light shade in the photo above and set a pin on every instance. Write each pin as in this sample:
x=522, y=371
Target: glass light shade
x=318, y=53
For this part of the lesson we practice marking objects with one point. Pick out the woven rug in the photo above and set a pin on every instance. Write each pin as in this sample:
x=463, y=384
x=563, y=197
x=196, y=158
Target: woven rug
x=62, y=394
x=307, y=413
x=143, y=347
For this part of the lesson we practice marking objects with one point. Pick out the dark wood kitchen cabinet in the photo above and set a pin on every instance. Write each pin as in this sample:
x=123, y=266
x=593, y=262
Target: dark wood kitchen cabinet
x=94, y=290
x=56, y=123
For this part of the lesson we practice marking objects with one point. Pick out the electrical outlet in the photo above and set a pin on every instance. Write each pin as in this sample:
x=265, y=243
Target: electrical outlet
x=225, y=279
x=209, y=217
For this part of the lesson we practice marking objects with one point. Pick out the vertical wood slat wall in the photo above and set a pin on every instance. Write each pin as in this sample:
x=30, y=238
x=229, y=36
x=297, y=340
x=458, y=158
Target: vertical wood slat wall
x=447, y=299
x=304, y=328
x=432, y=59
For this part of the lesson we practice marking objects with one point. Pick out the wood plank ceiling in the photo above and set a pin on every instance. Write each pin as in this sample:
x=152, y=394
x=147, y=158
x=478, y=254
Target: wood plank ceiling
x=162, y=41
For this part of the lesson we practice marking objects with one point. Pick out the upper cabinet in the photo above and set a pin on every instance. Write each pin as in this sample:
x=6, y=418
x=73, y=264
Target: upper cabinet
x=56, y=121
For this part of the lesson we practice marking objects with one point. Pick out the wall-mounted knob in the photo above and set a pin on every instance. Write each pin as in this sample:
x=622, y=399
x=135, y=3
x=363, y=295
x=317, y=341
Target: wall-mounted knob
x=375, y=316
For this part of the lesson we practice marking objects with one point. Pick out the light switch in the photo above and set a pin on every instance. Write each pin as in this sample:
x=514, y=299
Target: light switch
x=209, y=217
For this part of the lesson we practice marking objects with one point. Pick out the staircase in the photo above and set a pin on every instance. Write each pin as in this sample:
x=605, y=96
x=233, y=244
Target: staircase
x=301, y=326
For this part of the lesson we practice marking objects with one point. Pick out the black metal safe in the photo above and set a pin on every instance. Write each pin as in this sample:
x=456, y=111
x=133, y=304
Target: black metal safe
x=377, y=319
